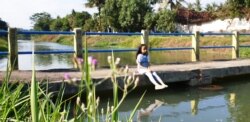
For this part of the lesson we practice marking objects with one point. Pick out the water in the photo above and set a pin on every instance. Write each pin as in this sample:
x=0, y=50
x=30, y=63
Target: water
x=189, y=104
x=65, y=61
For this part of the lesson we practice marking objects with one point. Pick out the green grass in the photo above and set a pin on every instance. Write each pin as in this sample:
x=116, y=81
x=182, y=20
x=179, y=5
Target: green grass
x=3, y=44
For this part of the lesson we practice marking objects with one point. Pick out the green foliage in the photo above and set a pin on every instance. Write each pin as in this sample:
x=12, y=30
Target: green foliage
x=149, y=20
x=235, y=7
x=95, y=3
x=77, y=19
x=198, y=5
x=57, y=24
x=3, y=44
x=90, y=25
x=212, y=7
x=3, y=25
x=247, y=2
x=132, y=14
x=110, y=12
x=42, y=21
x=166, y=21
x=244, y=52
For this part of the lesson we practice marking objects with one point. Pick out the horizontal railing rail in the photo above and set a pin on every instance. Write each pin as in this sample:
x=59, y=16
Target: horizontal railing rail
x=4, y=53
x=3, y=32
x=97, y=50
x=216, y=34
x=45, y=32
x=172, y=48
x=213, y=47
x=171, y=34
x=246, y=34
x=112, y=34
x=244, y=46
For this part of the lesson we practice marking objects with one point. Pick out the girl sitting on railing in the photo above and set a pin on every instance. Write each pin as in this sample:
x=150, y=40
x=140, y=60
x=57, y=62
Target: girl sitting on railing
x=142, y=60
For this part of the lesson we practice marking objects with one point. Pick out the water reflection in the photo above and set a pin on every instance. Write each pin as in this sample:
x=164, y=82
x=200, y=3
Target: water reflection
x=144, y=114
x=179, y=103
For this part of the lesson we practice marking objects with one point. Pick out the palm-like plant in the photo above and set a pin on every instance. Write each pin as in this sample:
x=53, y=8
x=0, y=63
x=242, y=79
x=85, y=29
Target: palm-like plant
x=173, y=4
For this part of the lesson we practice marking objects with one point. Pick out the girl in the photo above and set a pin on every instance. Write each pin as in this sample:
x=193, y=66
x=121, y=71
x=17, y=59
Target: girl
x=142, y=60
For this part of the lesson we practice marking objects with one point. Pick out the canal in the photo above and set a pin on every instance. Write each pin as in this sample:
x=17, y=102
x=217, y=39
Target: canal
x=178, y=103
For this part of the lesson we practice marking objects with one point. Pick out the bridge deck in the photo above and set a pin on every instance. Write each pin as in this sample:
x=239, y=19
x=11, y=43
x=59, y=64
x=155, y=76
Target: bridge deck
x=195, y=73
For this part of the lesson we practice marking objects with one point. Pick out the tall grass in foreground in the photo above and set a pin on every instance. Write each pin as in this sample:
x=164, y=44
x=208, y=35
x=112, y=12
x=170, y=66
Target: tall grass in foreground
x=34, y=102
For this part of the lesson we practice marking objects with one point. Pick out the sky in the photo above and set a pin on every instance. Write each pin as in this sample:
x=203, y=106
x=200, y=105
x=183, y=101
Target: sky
x=17, y=12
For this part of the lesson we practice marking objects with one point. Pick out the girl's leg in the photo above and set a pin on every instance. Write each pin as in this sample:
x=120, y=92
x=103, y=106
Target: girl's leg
x=159, y=79
x=151, y=78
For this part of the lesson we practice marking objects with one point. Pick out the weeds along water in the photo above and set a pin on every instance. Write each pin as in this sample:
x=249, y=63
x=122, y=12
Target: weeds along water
x=34, y=102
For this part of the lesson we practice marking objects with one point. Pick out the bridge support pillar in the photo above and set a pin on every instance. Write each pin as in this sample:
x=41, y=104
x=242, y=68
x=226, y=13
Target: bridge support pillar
x=78, y=42
x=235, y=44
x=144, y=37
x=12, y=49
x=195, y=55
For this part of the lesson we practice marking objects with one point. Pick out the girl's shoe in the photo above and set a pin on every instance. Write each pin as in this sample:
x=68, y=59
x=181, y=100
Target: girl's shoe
x=165, y=85
x=158, y=87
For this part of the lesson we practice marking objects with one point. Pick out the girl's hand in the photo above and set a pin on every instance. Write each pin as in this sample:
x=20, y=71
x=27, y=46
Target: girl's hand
x=149, y=69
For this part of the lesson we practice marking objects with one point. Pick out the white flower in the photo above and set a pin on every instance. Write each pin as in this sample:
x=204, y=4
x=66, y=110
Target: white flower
x=136, y=81
x=83, y=107
x=117, y=61
x=109, y=59
x=78, y=101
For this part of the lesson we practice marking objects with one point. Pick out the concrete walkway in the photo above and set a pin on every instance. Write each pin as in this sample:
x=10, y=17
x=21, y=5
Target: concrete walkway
x=197, y=73
x=58, y=74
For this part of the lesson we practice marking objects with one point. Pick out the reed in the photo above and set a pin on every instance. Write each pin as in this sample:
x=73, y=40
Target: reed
x=38, y=104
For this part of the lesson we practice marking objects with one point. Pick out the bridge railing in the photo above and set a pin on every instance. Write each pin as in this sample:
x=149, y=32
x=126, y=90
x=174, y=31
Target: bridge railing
x=77, y=33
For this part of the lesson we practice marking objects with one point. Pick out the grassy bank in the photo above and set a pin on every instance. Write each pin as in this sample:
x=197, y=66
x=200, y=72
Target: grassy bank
x=134, y=41
x=3, y=44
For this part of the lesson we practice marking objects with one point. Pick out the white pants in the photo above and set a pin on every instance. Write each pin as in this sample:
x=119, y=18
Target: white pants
x=150, y=76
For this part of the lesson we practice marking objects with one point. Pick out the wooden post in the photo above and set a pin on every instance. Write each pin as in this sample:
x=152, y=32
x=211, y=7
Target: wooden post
x=78, y=43
x=144, y=37
x=235, y=44
x=195, y=56
x=12, y=48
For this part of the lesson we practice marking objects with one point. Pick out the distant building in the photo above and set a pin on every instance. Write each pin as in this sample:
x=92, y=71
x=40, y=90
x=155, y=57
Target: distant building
x=227, y=25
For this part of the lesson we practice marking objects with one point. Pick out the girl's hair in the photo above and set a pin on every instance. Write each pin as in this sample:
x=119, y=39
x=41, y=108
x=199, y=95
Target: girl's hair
x=139, y=50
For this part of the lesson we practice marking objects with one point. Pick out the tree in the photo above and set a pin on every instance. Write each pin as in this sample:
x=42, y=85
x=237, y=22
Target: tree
x=66, y=25
x=95, y=3
x=166, y=21
x=77, y=19
x=3, y=25
x=110, y=12
x=211, y=7
x=174, y=4
x=191, y=6
x=132, y=13
x=89, y=26
x=57, y=24
x=247, y=2
x=198, y=5
x=41, y=21
x=149, y=20
x=235, y=7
